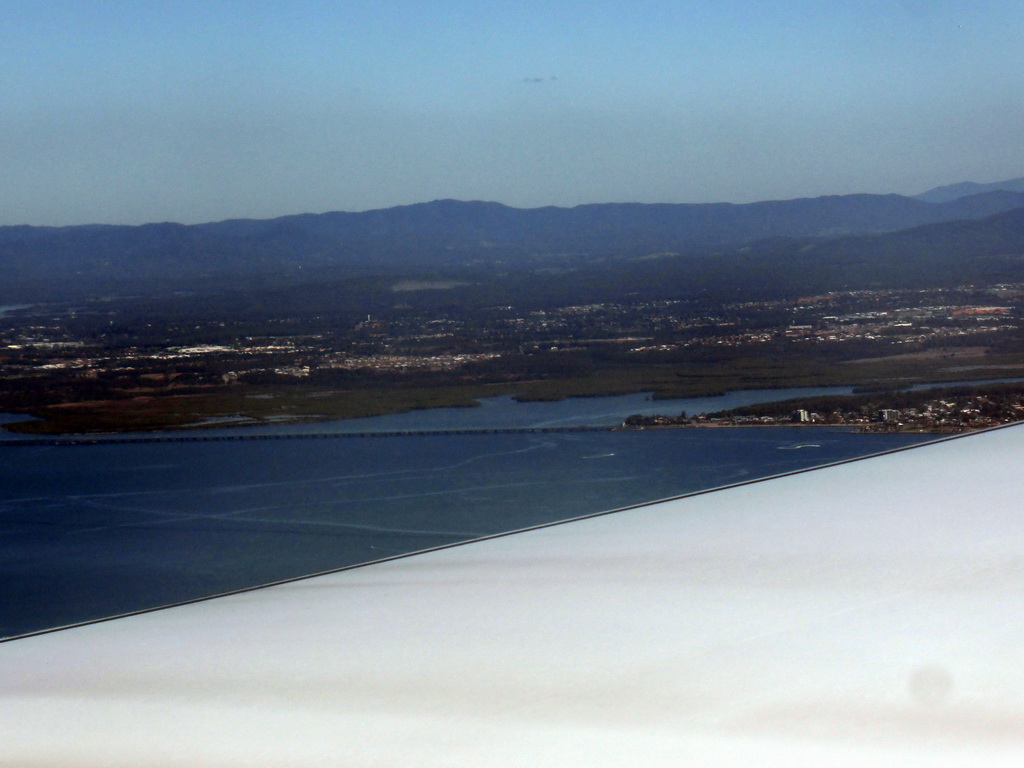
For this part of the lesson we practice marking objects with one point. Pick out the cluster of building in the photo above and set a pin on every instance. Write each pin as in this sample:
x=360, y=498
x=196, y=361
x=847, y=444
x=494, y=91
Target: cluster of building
x=406, y=342
x=941, y=414
x=392, y=363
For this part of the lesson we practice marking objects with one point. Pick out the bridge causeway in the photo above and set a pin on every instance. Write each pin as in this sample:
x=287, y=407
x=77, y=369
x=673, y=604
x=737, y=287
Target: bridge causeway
x=101, y=440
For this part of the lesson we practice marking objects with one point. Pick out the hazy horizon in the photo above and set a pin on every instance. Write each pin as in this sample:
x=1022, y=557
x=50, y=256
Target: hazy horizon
x=435, y=200
x=193, y=112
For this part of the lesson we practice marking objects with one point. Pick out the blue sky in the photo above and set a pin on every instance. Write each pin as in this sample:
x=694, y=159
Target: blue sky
x=128, y=112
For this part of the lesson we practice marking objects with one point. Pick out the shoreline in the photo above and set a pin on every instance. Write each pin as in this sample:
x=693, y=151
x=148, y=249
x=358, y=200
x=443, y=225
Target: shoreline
x=211, y=421
x=859, y=429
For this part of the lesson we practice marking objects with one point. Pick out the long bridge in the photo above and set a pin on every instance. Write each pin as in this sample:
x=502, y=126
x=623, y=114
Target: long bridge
x=105, y=440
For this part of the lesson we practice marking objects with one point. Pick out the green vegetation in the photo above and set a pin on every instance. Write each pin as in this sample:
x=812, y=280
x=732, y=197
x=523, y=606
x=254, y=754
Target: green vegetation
x=240, y=403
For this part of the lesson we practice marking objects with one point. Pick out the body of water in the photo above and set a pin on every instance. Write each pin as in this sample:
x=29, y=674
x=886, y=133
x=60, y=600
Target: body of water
x=6, y=309
x=96, y=530
x=504, y=412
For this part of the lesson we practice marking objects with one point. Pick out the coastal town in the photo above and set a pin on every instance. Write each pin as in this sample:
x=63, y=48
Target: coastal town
x=95, y=340
x=945, y=411
x=56, y=360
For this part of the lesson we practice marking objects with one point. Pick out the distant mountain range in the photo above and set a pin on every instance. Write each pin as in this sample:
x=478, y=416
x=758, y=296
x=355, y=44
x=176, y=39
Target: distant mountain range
x=947, y=254
x=952, y=192
x=39, y=263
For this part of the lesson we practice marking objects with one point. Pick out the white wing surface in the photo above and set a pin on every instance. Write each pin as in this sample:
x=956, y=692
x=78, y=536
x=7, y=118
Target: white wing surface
x=865, y=614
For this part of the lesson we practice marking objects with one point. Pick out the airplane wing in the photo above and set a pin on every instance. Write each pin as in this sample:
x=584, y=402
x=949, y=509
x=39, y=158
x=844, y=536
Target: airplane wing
x=869, y=613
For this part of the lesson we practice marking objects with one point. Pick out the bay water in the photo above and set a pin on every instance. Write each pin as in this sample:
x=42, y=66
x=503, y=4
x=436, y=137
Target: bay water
x=90, y=531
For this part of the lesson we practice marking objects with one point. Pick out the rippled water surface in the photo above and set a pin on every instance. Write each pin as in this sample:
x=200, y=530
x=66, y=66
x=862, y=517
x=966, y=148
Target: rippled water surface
x=96, y=530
